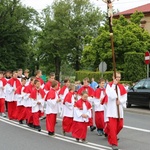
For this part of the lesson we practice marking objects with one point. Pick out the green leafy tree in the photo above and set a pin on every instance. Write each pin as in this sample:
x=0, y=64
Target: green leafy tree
x=128, y=37
x=16, y=22
x=66, y=23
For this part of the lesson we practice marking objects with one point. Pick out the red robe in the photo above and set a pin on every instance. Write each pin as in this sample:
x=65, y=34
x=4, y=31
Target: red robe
x=51, y=118
x=50, y=94
x=90, y=94
x=2, y=100
x=79, y=129
x=40, y=79
x=34, y=92
x=98, y=93
x=14, y=80
x=29, y=115
x=13, y=105
x=20, y=110
x=4, y=81
x=68, y=97
x=67, y=121
x=62, y=90
x=121, y=88
x=88, y=89
x=28, y=89
x=47, y=86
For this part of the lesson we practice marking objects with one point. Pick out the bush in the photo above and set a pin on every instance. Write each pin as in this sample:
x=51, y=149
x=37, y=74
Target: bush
x=134, y=67
x=80, y=75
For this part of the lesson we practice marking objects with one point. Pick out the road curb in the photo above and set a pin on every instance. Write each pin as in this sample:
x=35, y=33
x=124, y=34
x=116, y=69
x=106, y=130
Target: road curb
x=139, y=111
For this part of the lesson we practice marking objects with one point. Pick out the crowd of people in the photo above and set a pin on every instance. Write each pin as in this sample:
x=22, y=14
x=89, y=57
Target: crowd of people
x=99, y=106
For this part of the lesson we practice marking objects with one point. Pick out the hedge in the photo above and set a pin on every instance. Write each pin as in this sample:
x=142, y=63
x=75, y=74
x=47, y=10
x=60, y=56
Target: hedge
x=80, y=75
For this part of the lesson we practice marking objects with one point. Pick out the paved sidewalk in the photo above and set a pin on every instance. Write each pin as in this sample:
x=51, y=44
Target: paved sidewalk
x=138, y=109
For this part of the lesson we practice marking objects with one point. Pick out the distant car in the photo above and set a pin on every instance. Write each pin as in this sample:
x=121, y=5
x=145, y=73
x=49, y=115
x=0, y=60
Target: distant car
x=139, y=94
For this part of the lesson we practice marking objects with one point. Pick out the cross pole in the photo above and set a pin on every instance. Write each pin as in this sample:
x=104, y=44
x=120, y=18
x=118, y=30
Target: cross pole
x=113, y=54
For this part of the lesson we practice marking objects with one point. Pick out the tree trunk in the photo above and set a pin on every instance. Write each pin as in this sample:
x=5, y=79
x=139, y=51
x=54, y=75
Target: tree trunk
x=57, y=67
x=77, y=63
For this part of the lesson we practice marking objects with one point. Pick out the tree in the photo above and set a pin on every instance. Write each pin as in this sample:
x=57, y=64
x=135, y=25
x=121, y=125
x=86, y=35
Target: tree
x=66, y=23
x=128, y=37
x=134, y=67
x=15, y=29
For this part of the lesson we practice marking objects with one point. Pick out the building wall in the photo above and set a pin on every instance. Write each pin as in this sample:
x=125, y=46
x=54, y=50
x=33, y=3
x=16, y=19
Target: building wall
x=147, y=25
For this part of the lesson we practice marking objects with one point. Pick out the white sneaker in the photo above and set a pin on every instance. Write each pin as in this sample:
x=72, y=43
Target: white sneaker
x=3, y=115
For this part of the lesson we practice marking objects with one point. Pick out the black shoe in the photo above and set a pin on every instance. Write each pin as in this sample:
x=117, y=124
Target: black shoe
x=20, y=122
x=30, y=125
x=51, y=133
x=38, y=128
x=92, y=128
x=77, y=139
x=106, y=135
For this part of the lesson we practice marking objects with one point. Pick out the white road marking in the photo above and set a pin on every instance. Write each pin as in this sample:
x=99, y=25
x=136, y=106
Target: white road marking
x=137, y=129
x=58, y=136
x=128, y=127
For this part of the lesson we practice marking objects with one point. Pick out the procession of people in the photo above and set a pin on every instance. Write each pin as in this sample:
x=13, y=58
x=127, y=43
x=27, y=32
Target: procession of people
x=26, y=99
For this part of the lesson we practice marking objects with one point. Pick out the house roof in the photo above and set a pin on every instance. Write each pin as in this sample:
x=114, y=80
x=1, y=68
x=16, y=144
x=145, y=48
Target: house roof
x=144, y=8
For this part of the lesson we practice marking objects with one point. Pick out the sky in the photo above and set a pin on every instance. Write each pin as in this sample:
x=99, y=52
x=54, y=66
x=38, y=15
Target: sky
x=120, y=5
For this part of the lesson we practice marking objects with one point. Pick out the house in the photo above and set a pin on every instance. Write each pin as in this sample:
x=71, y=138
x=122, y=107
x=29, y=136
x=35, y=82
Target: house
x=145, y=9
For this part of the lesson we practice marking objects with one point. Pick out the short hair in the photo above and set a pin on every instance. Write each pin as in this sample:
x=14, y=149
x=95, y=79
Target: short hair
x=26, y=71
x=19, y=69
x=36, y=81
x=54, y=83
x=117, y=72
x=14, y=72
x=1, y=72
x=84, y=92
x=32, y=78
x=101, y=80
x=71, y=87
x=52, y=74
x=37, y=72
x=66, y=80
x=23, y=79
x=86, y=79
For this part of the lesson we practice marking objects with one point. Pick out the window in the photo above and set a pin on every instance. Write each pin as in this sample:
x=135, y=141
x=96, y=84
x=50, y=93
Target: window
x=147, y=84
x=140, y=84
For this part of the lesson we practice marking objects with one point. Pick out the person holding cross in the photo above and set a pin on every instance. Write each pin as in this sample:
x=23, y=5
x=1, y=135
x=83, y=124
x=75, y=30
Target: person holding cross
x=117, y=96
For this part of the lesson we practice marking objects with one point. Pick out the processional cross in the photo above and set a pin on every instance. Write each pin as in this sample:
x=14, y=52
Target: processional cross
x=110, y=20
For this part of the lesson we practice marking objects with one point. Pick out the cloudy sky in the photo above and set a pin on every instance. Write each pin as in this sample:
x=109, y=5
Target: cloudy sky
x=120, y=5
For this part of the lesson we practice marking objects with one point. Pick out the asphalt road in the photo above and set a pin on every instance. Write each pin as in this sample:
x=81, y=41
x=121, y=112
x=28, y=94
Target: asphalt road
x=134, y=136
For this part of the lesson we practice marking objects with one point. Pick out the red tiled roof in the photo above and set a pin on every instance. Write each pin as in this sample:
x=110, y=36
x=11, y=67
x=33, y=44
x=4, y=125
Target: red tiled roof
x=144, y=8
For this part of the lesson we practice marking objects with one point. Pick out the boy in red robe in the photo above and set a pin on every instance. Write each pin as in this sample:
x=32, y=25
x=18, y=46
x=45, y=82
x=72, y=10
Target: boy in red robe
x=52, y=108
x=90, y=91
x=47, y=86
x=62, y=93
x=11, y=87
x=19, y=95
x=100, y=95
x=3, y=83
x=28, y=102
x=82, y=114
x=117, y=97
x=38, y=75
x=68, y=108
x=37, y=96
